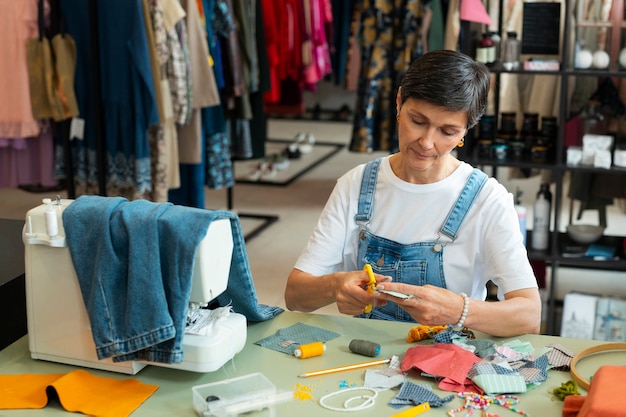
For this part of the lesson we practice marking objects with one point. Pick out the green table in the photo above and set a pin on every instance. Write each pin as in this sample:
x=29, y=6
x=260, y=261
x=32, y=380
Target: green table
x=174, y=397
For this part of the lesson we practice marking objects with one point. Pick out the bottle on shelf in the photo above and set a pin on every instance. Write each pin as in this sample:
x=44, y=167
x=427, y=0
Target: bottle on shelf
x=510, y=51
x=487, y=127
x=486, y=49
x=593, y=119
x=548, y=135
x=541, y=218
x=507, y=134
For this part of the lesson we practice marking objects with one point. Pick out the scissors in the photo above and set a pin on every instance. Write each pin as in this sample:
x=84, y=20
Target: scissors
x=371, y=287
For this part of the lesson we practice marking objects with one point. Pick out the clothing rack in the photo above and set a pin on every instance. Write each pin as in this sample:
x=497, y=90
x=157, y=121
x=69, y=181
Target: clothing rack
x=99, y=126
x=97, y=99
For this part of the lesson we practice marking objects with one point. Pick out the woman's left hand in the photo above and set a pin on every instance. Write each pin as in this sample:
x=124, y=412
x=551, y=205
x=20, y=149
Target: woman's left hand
x=429, y=305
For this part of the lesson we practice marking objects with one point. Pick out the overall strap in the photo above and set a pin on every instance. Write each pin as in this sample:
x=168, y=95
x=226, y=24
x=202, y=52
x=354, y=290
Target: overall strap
x=467, y=197
x=368, y=188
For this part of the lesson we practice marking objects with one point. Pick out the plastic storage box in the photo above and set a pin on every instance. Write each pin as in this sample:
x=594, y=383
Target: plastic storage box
x=235, y=396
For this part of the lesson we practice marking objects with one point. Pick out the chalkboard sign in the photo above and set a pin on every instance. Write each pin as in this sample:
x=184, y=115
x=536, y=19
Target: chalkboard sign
x=541, y=28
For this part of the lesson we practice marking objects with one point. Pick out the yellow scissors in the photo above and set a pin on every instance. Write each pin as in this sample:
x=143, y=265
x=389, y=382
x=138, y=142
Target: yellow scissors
x=371, y=285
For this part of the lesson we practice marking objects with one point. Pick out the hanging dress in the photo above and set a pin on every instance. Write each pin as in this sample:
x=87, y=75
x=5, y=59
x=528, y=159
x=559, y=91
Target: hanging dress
x=127, y=89
x=25, y=148
x=389, y=33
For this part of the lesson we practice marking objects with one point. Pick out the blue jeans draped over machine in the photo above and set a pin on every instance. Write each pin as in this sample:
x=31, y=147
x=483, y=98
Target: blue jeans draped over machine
x=134, y=263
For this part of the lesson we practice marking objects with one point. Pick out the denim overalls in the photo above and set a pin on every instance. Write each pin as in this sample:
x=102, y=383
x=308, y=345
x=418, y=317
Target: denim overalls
x=416, y=263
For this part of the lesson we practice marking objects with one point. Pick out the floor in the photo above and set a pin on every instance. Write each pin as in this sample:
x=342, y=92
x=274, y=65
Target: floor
x=273, y=252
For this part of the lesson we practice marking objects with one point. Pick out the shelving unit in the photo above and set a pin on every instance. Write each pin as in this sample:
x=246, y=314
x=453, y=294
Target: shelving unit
x=558, y=167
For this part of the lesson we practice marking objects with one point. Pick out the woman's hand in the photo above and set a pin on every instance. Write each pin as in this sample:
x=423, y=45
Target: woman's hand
x=519, y=312
x=306, y=292
x=351, y=294
x=429, y=305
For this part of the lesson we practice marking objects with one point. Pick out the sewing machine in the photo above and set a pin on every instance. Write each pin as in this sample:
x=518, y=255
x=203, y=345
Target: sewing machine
x=58, y=324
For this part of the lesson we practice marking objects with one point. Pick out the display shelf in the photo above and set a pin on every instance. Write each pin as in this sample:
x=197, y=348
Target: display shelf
x=556, y=163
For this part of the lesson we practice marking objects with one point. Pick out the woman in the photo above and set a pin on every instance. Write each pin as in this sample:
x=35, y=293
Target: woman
x=429, y=225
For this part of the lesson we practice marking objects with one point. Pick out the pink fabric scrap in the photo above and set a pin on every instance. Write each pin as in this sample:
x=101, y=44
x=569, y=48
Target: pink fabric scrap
x=449, y=362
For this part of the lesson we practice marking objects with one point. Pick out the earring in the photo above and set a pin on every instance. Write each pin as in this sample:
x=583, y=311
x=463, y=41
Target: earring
x=397, y=118
x=461, y=143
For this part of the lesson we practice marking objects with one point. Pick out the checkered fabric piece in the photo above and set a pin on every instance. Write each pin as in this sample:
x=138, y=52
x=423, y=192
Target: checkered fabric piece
x=528, y=370
x=484, y=347
x=559, y=357
x=414, y=394
x=286, y=340
x=484, y=368
x=449, y=334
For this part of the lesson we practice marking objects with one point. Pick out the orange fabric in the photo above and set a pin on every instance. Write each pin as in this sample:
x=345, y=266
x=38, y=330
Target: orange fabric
x=572, y=404
x=78, y=391
x=25, y=391
x=605, y=396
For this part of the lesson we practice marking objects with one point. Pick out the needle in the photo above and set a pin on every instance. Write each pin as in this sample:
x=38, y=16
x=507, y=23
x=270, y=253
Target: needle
x=344, y=368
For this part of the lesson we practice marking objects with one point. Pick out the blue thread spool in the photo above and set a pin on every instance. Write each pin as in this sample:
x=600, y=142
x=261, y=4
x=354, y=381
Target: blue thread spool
x=364, y=347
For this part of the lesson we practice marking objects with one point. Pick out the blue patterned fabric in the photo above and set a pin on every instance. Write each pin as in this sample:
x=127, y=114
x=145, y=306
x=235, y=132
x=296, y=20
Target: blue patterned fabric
x=288, y=339
x=414, y=394
x=484, y=347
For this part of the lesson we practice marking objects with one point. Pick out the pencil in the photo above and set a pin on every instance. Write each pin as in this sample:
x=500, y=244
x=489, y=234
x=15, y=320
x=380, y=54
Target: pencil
x=344, y=368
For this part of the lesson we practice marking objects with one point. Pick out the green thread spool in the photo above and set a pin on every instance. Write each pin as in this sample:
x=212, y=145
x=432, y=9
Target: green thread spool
x=364, y=347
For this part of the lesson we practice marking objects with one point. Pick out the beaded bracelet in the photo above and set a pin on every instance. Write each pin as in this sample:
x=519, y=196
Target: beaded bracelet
x=475, y=401
x=465, y=310
x=367, y=400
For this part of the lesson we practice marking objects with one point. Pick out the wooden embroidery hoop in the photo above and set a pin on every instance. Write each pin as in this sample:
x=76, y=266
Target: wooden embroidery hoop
x=583, y=383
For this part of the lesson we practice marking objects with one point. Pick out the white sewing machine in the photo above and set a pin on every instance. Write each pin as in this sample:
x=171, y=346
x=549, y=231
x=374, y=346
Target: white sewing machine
x=58, y=325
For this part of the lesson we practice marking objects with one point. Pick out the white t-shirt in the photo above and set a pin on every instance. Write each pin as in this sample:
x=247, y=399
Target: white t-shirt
x=489, y=245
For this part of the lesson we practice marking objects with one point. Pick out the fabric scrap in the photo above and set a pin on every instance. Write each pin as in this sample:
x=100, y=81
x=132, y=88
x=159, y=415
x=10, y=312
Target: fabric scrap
x=378, y=380
x=493, y=384
x=540, y=365
x=484, y=347
x=484, y=368
x=25, y=390
x=300, y=333
x=450, y=362
x=605, y=396
x=414, y=394
x=78, y=391
x=448, y=335
x=559, y=357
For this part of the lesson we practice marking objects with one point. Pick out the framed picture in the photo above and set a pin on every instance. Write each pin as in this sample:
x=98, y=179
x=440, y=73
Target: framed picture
x=541, y=28
x=610, y=323
x=579, y=315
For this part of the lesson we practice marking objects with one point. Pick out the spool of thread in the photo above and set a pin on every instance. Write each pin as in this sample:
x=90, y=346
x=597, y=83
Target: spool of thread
x=364, y=347
x=310, y=350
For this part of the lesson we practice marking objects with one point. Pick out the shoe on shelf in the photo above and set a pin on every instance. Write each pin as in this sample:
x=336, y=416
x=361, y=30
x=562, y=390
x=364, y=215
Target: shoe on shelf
x=256, y=172
x=344, y=114
x=306, y=143
x=292, y=151
x=269, y=171
x=280, y=161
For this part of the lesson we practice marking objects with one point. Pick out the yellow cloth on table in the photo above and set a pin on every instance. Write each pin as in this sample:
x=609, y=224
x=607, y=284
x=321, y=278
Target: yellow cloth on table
x=78, y=391
x=25, y=391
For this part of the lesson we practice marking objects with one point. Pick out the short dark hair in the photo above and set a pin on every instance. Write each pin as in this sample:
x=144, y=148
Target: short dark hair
x=448, y=79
